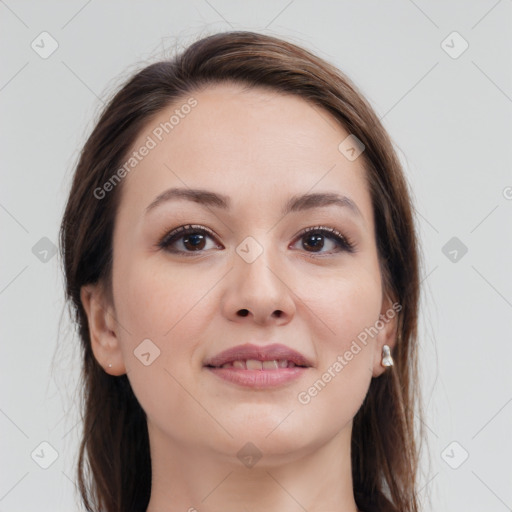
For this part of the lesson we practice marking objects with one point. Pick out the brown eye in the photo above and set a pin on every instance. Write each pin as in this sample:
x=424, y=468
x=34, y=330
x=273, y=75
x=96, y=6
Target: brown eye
x=313, y=241
x=194, y=241
x=188, y=239
x=316, y=239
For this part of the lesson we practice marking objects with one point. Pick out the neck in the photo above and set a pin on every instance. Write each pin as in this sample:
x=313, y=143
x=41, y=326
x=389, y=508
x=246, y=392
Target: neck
x=197, y=479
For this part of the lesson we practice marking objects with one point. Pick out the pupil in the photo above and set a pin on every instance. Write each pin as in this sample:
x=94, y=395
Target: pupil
x=196, y=241
x=314, y=241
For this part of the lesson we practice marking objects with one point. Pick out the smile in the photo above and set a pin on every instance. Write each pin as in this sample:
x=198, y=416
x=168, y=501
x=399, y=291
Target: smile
x=255, y=364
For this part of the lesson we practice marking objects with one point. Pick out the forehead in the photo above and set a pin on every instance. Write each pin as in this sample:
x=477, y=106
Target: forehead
x=253, y=143
x=233, y=121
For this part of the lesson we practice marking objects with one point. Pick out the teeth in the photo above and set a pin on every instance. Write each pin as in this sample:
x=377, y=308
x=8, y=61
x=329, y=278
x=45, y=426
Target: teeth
x=270, y=365
x=254, y=364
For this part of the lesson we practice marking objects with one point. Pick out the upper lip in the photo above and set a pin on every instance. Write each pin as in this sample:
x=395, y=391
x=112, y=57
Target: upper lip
x=272, y=352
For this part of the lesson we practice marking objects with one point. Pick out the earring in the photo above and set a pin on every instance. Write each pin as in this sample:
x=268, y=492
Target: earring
x=110, y=365
x=387, y=360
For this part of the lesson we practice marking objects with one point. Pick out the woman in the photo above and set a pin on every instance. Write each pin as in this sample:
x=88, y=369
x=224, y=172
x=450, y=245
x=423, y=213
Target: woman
x=241, y=257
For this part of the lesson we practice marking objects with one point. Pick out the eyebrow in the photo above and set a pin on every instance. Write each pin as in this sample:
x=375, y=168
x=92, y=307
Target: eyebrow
x=319, y=200
x=294, y=204
x=203, y=197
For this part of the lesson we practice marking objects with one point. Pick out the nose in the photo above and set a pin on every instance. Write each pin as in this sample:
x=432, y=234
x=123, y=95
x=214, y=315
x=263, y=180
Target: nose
x=258, y=292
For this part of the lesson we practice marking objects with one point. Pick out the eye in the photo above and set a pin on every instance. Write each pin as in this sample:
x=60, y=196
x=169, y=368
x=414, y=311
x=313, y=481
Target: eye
x=189, y=239
x=318, y=238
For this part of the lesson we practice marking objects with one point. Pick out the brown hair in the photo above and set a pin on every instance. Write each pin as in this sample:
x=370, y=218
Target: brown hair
x=115, y=445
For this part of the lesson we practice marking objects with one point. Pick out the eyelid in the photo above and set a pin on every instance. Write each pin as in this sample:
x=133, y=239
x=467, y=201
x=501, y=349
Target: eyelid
x=346, y=243
x=165, y=239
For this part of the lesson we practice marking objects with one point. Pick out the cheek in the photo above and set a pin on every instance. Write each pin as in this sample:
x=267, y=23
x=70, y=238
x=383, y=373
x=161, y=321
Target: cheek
x=347, y=305
x=154, y=302
x=346, y=310
x=166, y=307
x=171, y=313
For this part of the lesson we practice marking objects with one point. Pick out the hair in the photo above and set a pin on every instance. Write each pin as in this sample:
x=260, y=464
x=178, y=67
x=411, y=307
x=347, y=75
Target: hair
x=114, y=464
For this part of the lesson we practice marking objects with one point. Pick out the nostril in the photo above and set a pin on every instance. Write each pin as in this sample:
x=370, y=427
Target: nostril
x=243, y=312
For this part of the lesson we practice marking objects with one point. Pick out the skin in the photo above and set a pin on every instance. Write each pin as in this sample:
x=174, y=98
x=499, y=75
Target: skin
x=259, y=148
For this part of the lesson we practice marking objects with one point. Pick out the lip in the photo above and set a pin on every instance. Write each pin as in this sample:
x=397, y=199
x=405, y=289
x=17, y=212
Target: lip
x=258, y=379
x=259, y=352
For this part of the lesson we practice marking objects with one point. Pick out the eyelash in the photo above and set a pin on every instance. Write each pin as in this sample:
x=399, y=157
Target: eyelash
x=176, y=234
x=343, y=242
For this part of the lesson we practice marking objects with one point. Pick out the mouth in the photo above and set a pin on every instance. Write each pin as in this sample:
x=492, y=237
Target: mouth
x=257, y=366
x=258, y=357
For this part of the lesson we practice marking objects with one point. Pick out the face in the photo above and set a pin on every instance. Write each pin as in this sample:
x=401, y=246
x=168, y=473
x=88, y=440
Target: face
x=246, y=225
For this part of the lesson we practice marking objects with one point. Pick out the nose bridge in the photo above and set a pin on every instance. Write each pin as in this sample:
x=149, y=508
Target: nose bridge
x=256, y=288
x=255, y=263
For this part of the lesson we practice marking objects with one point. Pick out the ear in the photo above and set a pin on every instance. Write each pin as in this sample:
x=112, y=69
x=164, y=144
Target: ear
x=388, y=331
x=103, y=329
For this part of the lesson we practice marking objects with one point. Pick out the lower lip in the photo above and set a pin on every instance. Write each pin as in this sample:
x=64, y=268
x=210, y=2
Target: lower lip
x=259, y=379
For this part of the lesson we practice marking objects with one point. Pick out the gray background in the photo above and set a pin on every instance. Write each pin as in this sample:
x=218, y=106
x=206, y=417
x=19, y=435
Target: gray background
x=450, y=118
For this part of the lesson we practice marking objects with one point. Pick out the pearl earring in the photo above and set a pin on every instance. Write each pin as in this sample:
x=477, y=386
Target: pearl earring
x=110, y=365
x=387, y=360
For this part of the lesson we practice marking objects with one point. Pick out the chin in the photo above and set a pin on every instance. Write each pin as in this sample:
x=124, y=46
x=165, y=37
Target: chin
x=279, y=436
